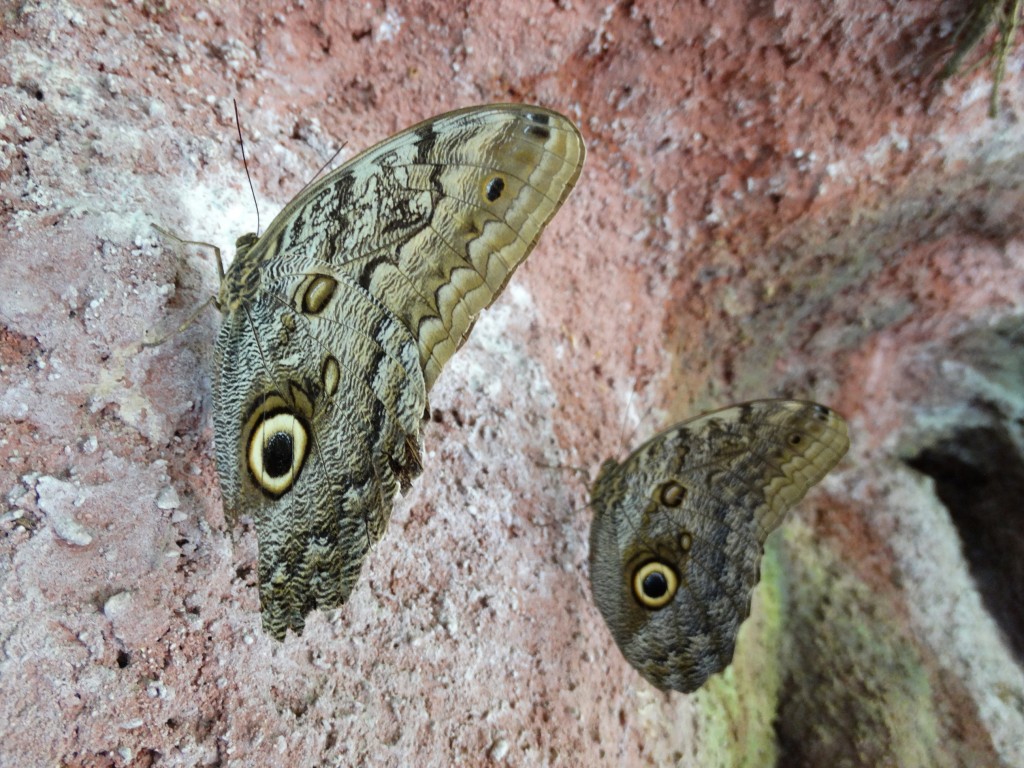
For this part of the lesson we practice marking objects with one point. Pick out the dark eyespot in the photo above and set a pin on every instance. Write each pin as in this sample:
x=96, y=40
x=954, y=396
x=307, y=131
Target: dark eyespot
x=277, y=449
x=494, y=188
x=654, y=584
x=795, y=439
x=277, y=454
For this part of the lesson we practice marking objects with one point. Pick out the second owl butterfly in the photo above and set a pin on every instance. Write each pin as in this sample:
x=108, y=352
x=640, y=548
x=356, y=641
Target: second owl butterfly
x=679, y=528
x=339, y=318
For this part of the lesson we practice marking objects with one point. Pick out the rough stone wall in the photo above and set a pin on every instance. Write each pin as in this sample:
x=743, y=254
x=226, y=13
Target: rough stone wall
x=779, y=200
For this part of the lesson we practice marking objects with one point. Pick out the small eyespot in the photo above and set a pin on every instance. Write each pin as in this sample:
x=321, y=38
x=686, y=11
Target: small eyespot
x=671, y=494
x=538, y=126
x=654, y=584
x=795, y=439
x=318, y=294
x=685, y=541
x=493, y=188
x=330, y=375
x=277, y=450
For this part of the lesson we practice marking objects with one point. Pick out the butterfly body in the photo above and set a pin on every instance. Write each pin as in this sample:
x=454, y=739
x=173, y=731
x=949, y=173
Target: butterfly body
x=679, y=528
x=339, y=318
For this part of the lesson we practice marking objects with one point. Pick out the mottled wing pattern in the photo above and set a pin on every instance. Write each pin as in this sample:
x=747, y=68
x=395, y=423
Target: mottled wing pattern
x=339, y=319
x=676, y=541
x=434, y=221
x=344, y=387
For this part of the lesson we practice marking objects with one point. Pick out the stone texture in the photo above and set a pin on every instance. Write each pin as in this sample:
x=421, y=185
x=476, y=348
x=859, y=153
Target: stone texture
x=779, y=200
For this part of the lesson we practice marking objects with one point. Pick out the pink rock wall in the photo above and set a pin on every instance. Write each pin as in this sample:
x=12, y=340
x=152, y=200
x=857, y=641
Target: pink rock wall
x=779, y=200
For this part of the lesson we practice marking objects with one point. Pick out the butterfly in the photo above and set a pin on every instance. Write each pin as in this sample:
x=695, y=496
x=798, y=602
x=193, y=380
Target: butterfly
x=679, y=529
x=339, y=318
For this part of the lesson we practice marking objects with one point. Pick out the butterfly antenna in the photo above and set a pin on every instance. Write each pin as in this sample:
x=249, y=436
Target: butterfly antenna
x=644, y=417
x=245, y=164
x=323, y=167
x=625, y=418
x=623, y=443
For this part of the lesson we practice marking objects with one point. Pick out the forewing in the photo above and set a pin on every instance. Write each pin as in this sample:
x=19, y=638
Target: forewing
x=434, y=220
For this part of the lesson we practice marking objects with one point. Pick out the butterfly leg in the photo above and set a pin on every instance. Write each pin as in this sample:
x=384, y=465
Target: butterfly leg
x=147, y=342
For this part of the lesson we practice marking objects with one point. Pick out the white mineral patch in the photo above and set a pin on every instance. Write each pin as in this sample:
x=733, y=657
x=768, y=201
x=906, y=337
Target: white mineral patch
x=167, y=498
x=57, y=500
x=499, y=749
x=118, y=606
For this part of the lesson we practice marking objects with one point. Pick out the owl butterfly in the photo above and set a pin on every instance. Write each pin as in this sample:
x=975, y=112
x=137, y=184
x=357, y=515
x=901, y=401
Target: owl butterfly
x=679, y=529
x=339, y=318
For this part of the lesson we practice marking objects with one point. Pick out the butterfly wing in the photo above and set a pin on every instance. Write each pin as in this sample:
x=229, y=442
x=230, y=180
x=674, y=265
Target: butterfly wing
x=434, y=220
x=339, y=319
x=676, y=541
x=317, y=423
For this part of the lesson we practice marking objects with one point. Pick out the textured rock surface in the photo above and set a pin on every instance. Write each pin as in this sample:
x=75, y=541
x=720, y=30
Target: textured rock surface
x=778, y=200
